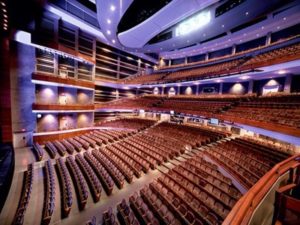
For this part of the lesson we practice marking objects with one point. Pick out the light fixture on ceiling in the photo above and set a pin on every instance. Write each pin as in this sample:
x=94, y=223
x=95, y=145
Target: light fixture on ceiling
x=193, y=23
x=108, y=21
x=113, y=41
x=112, y=8
x=282, y=72
x=244, y=77
x=247, y=13
x=108, y=32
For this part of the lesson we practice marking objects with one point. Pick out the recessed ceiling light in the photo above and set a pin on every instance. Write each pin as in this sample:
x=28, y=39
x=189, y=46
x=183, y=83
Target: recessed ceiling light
x=108, y=32
x=284, y=18
x=4, y=10
x=223, y=25
x=281, y=72
x=5, y=16
x=262, y=27
x=278, y=27
x=2, y=3
x=5, y=28
x=113, y=41
x=112, y=8
x=257, y=35
x=244, y=77
x=108, y=21
x=247, y=13
x=241, y=40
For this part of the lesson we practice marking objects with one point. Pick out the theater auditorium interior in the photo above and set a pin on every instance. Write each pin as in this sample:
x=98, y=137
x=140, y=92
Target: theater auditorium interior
x=151, y=112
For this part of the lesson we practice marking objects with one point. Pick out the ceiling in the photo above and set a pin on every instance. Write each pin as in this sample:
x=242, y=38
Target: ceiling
x=148, y=27
x=131, y=25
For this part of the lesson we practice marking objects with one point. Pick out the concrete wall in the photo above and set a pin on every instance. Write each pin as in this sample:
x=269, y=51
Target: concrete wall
x=22, y=89
x=235, y=88
x=85, y=120
x=67, y=95
x=188, y=90
x=46, y=94
x=67, y=121
x=84, y=97
x=48, y=122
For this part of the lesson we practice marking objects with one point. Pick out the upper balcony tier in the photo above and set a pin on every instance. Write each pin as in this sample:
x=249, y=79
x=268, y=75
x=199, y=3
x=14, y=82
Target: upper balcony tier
x=220, y=68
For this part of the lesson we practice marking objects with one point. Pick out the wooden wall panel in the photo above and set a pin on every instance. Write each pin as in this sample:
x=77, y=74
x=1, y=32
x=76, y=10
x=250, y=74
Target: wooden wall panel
x=62, y=107
x=5, y=95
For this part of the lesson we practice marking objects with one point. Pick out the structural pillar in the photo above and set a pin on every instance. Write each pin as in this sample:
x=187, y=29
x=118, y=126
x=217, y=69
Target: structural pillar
x=269, y=38
x=287, y=83
x=117, y=94
x=206, y=56
x=185, y=61
x=233, y=49
x=250, y=87
x=221, y=88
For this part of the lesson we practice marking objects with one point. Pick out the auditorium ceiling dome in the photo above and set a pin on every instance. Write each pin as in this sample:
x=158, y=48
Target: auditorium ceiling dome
x=170, y=26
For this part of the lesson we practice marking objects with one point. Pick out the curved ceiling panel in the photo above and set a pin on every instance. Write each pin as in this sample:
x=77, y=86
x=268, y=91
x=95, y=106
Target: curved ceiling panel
x=139, y=11
x=177, y=10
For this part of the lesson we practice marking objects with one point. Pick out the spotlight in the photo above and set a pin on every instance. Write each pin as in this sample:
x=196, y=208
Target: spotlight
x=39, y=115
x=112, y=8
x=281, y=72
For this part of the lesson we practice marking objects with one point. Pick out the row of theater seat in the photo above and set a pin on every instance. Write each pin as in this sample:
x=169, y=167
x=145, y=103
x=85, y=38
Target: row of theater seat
x=38, y=151
x=123, y=166
x=110, y=168
x=25, y=196
x=66, y=189
x=78, y=181
x=194, y=192
x=50, y=189
x=129, y=123
x=103, y=175
x=246, y=161
x=69, y=145
x=90, y=177
x=283, y=110
x=286, y=149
